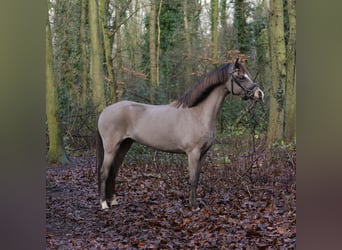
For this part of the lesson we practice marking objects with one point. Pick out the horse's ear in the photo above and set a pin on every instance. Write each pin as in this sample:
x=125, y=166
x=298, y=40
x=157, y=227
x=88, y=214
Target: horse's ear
x=236, y=64
x=231, y=68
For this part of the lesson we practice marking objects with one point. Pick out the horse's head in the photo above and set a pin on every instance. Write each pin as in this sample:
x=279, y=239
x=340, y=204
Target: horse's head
x=240, y=83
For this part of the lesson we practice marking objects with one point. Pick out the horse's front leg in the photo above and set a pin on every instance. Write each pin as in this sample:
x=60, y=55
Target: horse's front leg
x=195, y=163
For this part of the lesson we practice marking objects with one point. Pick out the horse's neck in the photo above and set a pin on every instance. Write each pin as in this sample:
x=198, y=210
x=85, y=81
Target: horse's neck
x=209, y=108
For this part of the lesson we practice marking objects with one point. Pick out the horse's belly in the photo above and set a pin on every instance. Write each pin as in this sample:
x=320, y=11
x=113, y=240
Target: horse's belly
x=159, y=133
x=164, y=140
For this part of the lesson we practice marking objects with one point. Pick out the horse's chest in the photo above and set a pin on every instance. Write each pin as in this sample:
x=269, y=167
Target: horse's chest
x=207, y=138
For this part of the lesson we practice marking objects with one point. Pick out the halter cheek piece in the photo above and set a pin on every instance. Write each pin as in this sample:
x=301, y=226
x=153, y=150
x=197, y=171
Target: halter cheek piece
x=248, y=92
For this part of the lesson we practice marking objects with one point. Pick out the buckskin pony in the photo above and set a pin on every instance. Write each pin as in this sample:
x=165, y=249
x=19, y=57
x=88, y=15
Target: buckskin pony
x=186, y=125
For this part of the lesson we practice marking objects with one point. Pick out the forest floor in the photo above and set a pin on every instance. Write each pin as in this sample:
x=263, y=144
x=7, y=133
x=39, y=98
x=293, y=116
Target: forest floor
x=247, y=201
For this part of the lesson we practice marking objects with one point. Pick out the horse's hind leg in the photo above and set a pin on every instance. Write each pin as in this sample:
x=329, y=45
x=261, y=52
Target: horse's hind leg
x=105, y=171
x=110, y=183
x=118, y=159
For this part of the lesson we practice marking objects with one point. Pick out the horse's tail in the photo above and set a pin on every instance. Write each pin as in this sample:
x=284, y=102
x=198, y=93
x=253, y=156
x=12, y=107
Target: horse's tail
x=99, y=157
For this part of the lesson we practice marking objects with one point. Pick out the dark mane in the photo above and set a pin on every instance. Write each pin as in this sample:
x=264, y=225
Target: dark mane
x=199, y=91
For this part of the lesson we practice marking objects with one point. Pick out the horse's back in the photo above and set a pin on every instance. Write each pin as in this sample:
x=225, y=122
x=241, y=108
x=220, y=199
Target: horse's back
x=128, y=110
x=115, y=109
x=122, y=115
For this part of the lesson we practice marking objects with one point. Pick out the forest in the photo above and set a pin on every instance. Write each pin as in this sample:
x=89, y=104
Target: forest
x=100, y=52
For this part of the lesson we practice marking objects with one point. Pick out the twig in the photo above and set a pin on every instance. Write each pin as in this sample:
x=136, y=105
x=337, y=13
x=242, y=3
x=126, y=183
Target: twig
x=244, y=112
x=250, y=195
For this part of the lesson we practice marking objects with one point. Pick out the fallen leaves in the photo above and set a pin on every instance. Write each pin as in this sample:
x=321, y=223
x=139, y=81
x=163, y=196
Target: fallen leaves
x=153, y=211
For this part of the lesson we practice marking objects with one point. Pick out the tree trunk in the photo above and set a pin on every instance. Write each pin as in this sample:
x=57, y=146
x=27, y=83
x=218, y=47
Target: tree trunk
x=107, y=51
x=278, y=60
x=290, y=96
x=240, y=26
x=84, y=61
x=118, y=56
x=96, y=57
x=214, y=30
x=158, y=42
x=262, y=47
x=56, y=153
x=187, y=34
x=224, y=28
x=153, y=57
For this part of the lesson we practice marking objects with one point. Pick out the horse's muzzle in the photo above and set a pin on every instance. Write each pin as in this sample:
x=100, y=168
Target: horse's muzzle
x=258, y=94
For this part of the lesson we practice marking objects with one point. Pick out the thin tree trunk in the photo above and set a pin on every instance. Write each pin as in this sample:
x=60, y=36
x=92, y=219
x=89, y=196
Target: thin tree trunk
x=240, y=25
x=223, y=15
x=278, y=60
x=134, y=30
x=263, y=48
x=187, y=44
x=107, y=51
x=96, y=56
x=214, y=30
x=153, y=57
x=118, y=56
x=290, y=101
x=158, y=41
x=84, y=61
x=56, y=152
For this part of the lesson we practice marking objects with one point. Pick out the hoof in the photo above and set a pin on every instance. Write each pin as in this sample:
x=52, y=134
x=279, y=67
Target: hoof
x=104, y=205
x=194, y=204
x=114, y=202
x=195, y=209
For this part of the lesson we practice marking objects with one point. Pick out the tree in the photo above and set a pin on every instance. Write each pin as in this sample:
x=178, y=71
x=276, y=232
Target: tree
x=107, y=47
x=290, y=96
x=262, y=43
x=56, y=152
x=84, y=60
x=96, y=57
x=214, y=30
x=278, y=62
x=187, y=34
x=118, y=56
x=158, y=40
x=172, y=49
x=153, y=55
x=240, y=25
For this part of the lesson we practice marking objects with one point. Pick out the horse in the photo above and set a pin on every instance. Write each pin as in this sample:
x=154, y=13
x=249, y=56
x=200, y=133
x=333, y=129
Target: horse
x=186, y=125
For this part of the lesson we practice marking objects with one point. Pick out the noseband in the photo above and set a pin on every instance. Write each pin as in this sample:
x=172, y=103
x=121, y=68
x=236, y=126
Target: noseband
x=248, y=92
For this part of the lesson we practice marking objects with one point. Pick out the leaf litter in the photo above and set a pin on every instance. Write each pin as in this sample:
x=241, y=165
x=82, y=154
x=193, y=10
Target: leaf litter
x=241, y=207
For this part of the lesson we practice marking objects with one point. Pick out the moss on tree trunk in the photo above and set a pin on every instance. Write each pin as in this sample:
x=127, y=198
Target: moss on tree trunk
x=278, y=61
x=56, y=152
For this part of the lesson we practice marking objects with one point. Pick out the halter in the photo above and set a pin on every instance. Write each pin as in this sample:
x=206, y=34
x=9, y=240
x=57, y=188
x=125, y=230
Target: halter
x=248, y=92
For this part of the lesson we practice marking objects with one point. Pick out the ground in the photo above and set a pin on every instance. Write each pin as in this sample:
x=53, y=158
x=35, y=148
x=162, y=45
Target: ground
x=247, y=201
